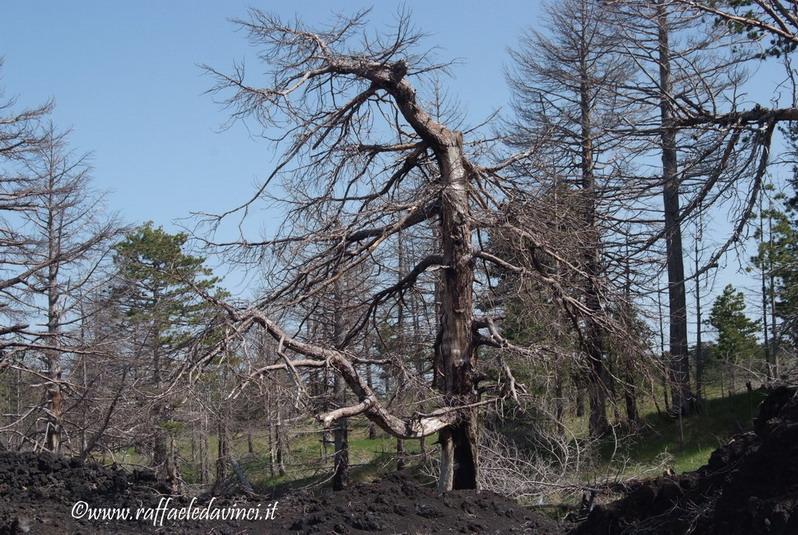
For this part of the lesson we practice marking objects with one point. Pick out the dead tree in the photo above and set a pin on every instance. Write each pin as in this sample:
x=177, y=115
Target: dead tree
x=51, y=237
x=67, y=229
x=565, y=84
x=686, y=68
x=20, y=136
x=361, y=145
x=677, y=295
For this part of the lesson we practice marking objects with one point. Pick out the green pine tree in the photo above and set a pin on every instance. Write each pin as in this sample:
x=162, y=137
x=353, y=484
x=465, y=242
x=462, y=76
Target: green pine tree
x=160, y=289
x=736, y=331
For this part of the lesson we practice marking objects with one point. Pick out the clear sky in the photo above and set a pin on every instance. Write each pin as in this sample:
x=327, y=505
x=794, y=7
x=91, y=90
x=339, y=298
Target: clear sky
x=125, y=77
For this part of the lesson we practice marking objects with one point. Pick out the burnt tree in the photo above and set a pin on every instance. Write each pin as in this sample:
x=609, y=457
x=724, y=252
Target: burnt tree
x=364, y=160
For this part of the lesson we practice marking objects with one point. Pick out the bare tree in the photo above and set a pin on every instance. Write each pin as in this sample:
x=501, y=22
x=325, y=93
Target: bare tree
x=361, y=145
x=565, y=84
x=686, y=67
x=20, y=136
x=66, y=230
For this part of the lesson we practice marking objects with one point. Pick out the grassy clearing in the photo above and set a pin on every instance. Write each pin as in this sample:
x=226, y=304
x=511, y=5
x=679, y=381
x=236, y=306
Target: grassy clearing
x=682, y=445
x=659, y=443
x=306, y=463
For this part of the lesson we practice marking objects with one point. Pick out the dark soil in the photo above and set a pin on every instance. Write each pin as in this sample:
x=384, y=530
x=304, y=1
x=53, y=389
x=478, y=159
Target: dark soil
x=396, y=504
x=749, y=486
x=37, y=492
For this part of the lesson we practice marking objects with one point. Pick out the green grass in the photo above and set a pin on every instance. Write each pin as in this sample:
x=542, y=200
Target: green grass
x=686, y=445
x=659, y=442
x=305, y=462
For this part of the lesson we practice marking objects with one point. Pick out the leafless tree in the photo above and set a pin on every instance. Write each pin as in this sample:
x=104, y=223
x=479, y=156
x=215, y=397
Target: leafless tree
x=67, y=231
x=686, y=67
x=20, y=136
x=365, y=155
x=565, y=84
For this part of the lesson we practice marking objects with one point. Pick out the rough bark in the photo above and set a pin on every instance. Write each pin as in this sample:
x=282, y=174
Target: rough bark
x=386, y=78
x=54, y=393
x=341, y=431
x=456, y=349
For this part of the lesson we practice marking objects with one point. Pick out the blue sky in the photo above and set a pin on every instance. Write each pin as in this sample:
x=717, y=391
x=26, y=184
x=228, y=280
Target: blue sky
x=125, y=77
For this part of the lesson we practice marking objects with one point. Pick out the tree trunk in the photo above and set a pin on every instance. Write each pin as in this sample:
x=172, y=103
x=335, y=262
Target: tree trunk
x=699, y=356
x=172, y=471
x=223, y=450
x=164, y=452
x=54, y=394
x=597, y=396
x=204, y=454
x=341, y=432
x=400, y=454
x=763, y=280
x=630, y=396
x=579, y=410
x=341, y=439
x=774, y=339
x=372, y=427
x=456, y=355
x=680, y=368
x=270, y=438
x=594, y=339
x=280, y=440
x=665, y=389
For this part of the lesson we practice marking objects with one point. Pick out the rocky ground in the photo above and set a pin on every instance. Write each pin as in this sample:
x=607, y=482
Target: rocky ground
x=749, y=486
x=37, y=493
